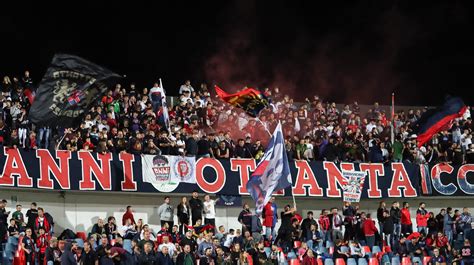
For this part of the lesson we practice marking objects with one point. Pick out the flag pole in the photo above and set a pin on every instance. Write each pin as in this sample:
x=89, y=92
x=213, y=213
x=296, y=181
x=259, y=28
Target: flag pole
x=392, y=123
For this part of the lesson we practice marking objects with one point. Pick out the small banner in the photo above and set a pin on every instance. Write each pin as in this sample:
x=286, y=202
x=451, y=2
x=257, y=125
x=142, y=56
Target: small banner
x=354, y=183
x=229, y=201
x=166, y=172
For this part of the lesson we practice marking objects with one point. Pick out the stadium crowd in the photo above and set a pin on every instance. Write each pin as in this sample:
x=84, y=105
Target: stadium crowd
x=131, y=119
x=343, y=235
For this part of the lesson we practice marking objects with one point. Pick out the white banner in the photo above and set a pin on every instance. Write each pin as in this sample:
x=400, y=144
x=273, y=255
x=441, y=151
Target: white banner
x=354, y=180
x=166, y=172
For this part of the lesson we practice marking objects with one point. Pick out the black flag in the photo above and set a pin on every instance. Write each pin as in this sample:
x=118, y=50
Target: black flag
x=68, y=89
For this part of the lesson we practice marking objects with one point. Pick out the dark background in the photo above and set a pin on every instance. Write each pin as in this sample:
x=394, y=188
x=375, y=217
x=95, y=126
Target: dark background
x=343, y=51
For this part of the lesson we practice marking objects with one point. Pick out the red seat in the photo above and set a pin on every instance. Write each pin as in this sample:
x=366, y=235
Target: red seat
x=295, y=262
x=331, y=250
x=250, y=260
x=426, y=260
x=340, y=262
x=112, y=242
x=367, y=249
x=373, y=261
x=297, y=244
x=82, y=235
x=406, y=261
x=387, y=249
x=320, y=261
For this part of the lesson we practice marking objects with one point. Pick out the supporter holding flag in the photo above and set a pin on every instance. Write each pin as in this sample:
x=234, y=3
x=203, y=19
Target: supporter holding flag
x=155, y=95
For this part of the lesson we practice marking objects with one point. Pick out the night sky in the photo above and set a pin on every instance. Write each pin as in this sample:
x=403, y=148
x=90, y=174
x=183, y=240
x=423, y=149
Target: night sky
x=342, y=51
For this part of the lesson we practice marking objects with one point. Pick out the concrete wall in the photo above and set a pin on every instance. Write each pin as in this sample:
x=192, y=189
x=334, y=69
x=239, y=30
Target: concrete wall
x=80, y=210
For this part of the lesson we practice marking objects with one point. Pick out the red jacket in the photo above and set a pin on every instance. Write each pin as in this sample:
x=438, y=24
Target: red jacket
x=406, y=218
x=268, y=216
x=324, y=223
x=369, y=227
x=42, y=242
x=422, y=219
x=46, y=225
x=126, y=216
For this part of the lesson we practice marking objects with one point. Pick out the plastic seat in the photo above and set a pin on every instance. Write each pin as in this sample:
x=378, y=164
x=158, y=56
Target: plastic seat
x=82, y=235
x=426, y=260
x=387, y=249
x=351, y=261
x=296, y=244
x=295, y=262
x=329, y=244
x=80, y=242
x=328, y=262
x=320, y=261
x=373, y=261
x=340, y=262
x=362, y=261
x=127, y=245
x=331, y=251
x=406, y=261
x=344, y=249
x=366, y=249
x=395, y=260
x=112, y=242
x=416, y=260
x=268, y=251
x=376, y=249
x=292, y=255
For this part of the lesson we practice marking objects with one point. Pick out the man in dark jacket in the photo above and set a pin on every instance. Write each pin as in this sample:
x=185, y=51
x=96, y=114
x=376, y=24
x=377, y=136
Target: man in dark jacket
x=147, y=257
x=245, y=218
x=164, y=257
x=396, y=215
x=196, y=206
x=186, y=257
x=88, y=256
x=388, y=227
x=53, y=253
x=306, y=226
x=69, y=256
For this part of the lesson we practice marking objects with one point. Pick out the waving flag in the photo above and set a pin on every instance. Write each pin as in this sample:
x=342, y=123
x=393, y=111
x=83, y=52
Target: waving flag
x=69, y=88
x=272, y=173
x=434, y=121
x=250, y=100
x=166, y=116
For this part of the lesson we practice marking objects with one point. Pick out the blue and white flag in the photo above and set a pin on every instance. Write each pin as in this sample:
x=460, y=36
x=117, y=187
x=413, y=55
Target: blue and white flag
x=166, y=116
x=272, y=173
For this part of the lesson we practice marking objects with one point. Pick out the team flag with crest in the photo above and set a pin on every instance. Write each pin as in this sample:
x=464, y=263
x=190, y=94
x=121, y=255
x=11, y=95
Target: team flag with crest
x=272, y=173
x=250, y=100
x=67, y=91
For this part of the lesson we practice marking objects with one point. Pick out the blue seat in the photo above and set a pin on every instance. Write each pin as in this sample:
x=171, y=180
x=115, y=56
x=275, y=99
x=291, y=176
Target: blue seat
x=362, y=261
x=328, y=262
x=329, y=244
x=351, y=261
x=416, y=260
x=376, y=249
x=291, y=255
x=268, y=251
x=127, y=245
x=344, y=249
x=80, y=242
x=395, y=260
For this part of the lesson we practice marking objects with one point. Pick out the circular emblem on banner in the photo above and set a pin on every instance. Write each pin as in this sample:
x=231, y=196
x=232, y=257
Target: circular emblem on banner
x=184, y=169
